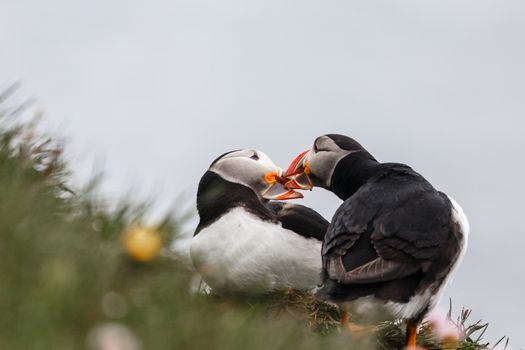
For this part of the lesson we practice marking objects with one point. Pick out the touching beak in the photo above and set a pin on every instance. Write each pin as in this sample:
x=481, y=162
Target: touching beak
x=277, y=189
x=297, y=173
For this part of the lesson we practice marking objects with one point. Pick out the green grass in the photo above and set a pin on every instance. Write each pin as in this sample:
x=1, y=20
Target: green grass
x=64, y=273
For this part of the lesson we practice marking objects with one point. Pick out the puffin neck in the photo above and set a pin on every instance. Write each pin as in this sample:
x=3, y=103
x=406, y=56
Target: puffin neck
x=352, y=172
x=216, y=196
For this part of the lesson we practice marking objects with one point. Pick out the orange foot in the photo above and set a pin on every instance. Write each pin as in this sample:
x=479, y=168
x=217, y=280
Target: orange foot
x=411, y=336
x=354, y=328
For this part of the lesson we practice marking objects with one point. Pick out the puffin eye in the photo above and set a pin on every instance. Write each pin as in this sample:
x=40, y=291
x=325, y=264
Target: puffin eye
x=255, y=156
x=317, y=149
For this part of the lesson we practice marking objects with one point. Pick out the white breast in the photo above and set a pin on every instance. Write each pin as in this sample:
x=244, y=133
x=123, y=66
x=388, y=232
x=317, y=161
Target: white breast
x=459, y=217
x=241, y=253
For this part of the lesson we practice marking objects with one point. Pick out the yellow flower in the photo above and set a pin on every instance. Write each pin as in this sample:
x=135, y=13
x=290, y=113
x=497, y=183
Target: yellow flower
x=142, y=243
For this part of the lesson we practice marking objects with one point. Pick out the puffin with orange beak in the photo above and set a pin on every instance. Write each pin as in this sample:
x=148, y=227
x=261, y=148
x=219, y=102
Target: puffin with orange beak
x=393, y=244
x=248, y=240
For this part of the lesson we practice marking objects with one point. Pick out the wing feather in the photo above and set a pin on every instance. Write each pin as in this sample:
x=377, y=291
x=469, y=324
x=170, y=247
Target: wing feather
x=378, y=270
x=404, y=230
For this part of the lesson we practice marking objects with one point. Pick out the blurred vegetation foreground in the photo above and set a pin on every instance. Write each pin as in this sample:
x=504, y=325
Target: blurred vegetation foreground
x=76, y=275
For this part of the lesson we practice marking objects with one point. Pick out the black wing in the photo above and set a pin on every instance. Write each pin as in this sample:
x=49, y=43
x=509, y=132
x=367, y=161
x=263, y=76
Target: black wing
x=386, y=231
x=300, y=219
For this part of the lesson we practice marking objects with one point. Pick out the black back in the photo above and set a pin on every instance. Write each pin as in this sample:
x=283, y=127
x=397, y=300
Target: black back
x=390, y=212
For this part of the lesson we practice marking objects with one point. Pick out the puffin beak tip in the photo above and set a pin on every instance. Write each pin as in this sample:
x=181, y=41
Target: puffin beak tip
x=297, y=173
x=277, y=189
x=297, y=166
x=290, y=195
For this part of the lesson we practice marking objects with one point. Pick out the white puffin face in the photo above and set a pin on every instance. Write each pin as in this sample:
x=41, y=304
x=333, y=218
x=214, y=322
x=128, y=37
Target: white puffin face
x=323, y=159
x=316, y=166
x=254, y=169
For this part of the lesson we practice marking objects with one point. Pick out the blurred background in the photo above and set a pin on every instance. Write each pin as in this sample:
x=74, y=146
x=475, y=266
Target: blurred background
x=151, y=92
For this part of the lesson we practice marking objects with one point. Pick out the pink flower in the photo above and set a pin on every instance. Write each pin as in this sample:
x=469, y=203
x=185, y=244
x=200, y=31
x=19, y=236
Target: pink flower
x=443, y=328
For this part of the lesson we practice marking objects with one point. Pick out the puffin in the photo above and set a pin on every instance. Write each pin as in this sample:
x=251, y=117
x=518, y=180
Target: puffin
x=395, y=241
x=249, y=240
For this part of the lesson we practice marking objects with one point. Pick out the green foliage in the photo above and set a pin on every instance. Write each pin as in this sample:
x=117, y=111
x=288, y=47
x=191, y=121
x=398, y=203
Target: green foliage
x=65, y=274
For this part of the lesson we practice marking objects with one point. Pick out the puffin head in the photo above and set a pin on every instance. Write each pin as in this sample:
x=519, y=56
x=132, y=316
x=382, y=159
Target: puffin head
x=254, y=169
x=316, y=166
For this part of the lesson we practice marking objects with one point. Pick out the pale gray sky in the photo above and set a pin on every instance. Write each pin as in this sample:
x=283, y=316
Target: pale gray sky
x=158, y=89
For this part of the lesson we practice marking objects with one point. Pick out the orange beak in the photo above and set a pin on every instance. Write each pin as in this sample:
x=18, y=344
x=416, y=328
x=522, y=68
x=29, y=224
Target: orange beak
x=291, y=194
x=277, y=189
x=297, y=173
x=297, y=166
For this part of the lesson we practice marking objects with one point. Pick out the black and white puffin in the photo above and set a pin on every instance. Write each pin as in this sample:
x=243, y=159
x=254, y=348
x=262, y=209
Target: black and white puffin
x=244, y=242
x=394, y=242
